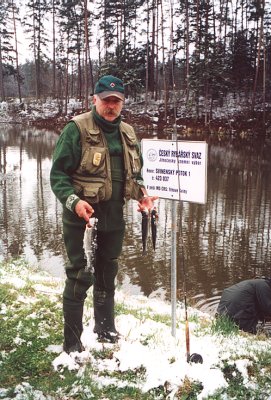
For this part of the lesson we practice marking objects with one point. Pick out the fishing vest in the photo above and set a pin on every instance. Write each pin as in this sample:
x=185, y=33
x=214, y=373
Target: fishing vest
x=92, y=180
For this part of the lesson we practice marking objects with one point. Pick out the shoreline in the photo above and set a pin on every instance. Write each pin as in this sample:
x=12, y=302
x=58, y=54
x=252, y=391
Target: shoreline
x=242, y=126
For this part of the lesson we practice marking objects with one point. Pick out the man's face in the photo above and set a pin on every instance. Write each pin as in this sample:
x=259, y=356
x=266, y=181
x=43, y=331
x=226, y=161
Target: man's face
x=108, y=108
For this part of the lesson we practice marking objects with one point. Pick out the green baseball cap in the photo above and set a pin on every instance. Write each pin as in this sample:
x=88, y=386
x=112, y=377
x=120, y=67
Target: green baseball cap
x=108, y=86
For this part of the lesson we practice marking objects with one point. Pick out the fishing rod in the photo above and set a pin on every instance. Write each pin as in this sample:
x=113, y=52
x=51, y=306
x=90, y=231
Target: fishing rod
x=187, y=332
x=195, y=357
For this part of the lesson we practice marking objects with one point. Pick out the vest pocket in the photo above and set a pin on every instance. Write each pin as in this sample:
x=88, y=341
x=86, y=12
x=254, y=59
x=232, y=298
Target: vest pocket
x=93, y=160
x=134, y=160
x=93, y=192
x=136, y=192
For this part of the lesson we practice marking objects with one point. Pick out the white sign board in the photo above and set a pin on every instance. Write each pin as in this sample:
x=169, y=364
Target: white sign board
x=175, y=170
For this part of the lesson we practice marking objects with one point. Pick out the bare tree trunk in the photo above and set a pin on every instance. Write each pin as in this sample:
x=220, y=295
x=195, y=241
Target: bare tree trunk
x=79, y=69
x=2, y=92
x=207, y=65
x=90, y=72
x=152, y=58
x=187, y=46
x=163, y=63
x=260, y=42
x=156, y=69
x=35, y=57
x=197, y=52
x=38, y=57
x=54, y=52
x=264, y=84
x=105, y=33
x=124, y=25
x=86, y=56
x=16, y=52
x=119, y=30
x=147, y=60
x=225, y=28
x=99, y=53
x=172, y=61
x=67, y=80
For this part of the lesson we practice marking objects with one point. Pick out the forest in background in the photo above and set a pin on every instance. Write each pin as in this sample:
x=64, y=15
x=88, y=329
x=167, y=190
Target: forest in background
x=189, y=53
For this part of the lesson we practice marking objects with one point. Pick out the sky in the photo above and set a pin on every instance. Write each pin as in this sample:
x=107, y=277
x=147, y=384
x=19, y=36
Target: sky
x=25, y=53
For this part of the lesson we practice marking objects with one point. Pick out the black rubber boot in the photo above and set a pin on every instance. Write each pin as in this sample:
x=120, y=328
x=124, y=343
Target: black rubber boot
x=104, y=317
x=73, y=328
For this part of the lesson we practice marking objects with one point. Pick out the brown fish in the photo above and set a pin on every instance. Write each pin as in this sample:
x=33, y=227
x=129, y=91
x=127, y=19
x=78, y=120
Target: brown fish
x=145, y=229
x=154, y=222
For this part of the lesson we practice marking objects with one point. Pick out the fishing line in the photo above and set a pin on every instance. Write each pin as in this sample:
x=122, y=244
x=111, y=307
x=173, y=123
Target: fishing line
x=196, y=358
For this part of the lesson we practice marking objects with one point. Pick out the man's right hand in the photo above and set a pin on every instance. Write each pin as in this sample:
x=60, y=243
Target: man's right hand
x=84, y=210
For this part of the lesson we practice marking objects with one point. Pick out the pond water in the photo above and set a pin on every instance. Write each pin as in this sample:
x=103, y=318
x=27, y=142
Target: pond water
x=225, y=240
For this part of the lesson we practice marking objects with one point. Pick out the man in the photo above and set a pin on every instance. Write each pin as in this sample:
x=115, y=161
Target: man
x=246, y=303
x=96, y=167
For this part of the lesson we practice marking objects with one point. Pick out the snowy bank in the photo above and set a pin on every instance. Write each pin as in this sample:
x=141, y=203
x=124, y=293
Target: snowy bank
x=147, y=357
x=233, y=121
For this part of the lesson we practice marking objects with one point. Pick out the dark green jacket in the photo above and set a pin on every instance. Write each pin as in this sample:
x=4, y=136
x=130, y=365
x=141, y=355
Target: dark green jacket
x=246, y=303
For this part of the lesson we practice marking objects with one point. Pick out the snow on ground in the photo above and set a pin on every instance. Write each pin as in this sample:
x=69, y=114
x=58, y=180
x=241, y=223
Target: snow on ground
x=146, y=342
x=149, y=344
x=31, y=109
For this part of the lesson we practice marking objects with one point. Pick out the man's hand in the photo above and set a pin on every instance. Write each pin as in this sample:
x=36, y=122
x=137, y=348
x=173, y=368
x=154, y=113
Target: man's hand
x=147, y=203
x=84, y=210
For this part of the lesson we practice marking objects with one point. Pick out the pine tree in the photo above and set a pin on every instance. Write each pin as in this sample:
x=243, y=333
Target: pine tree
x=34, y=22
x=6, y=46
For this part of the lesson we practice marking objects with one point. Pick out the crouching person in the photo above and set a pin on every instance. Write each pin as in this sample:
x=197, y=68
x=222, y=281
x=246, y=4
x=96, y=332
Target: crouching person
x=246, y=303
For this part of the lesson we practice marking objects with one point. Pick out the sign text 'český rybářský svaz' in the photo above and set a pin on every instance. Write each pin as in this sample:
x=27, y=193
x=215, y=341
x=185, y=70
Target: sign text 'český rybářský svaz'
x=175, y=170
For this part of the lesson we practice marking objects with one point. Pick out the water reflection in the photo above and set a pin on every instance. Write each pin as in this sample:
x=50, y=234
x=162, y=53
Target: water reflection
x=30, y=222
x=225, y=240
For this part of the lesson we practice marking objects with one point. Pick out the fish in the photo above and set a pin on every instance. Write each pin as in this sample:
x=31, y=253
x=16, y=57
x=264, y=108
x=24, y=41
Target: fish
x=145, y=229
x=90, y=244
x=154, y=222
x=148, y=216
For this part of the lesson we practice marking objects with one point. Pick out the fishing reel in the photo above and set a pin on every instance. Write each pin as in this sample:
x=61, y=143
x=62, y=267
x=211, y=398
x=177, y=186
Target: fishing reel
x=195, y=358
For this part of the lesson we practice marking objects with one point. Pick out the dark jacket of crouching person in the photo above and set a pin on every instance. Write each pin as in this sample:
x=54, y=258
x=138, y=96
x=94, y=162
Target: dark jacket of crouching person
x=246, y=303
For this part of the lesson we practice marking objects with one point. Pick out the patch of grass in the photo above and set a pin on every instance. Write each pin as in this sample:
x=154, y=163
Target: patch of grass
x=29, y=323
x=120, y=309
x=224, y=325
x=232, y=375
x=54, y=383
x=259, y=386
x=105, y=353
x=142, y=314
x=7, y=294
x=189, y=390
x=131, y=376
x=26, y=331
x=164, y=319
x=113, y=392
